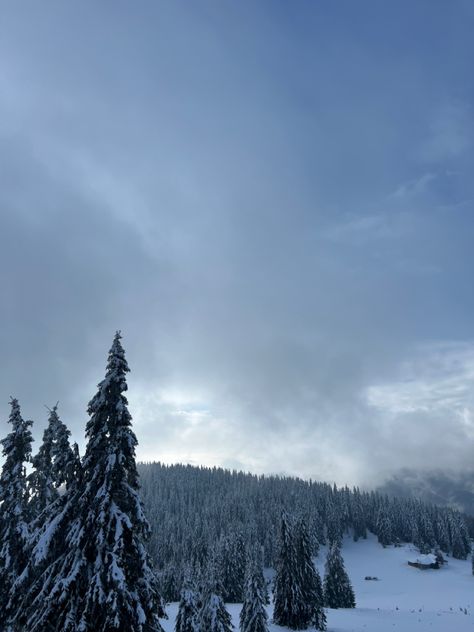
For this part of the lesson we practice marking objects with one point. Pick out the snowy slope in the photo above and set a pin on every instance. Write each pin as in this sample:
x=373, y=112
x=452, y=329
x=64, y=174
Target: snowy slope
x=404, y=598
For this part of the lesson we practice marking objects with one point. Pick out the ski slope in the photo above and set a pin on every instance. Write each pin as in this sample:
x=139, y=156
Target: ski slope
x=404, y=599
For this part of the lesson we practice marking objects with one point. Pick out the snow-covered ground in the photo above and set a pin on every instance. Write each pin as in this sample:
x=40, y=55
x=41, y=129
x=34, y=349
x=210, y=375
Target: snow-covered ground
x=404, y=598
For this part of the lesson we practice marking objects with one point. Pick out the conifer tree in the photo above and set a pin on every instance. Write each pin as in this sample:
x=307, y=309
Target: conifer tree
x=232, y=567
x=253, y=616
x=442, y=532
x=310, y=581
x=358, y=520
x=287, y=592
x=187, y=619
x=65, y=459
x=43, y=490
x=338, y=591
x=384, y=527
x=460, y=543
x=92, y=571
x=334, y=524
x=298, y=591
x=426, y=528
x=14, y=516
x=315, y=528
x=56, y=464
x=255, y=560
x=214, y=616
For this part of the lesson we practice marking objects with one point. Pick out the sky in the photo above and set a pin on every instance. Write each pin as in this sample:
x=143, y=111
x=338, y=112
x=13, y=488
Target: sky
x=272, y=201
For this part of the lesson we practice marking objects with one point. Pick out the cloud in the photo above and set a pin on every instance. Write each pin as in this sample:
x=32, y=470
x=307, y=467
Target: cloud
x=414, y=187
x=359, y=434
x=440, y=378
x=71, y=273
x=430, y=410
x=274, y=208
x=360, y=228
x=450, y=133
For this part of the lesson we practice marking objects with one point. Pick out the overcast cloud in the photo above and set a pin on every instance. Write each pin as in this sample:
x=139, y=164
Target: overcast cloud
x=273, y=201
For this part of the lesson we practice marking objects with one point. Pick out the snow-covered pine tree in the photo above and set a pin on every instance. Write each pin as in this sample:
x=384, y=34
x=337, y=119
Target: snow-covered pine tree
x=214, y=616
x=289, y=606
x=315, y=528
x=187, y=619
x=442, y=531
x=42, y=488
x=253, y=616
x=232, y=567
x=310, y=581
x=14, y=516
x=255, y=558
x=460, y=543
x=425, y=527
x=338, y=591
x=384, y=527
x=121, y=586
x=358, y=519
x=92, y=571
x=65, y=458
x=54, y=465
x=334, y=524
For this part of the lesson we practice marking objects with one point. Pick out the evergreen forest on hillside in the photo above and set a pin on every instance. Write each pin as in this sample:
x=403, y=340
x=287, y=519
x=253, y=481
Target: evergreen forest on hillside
x=198, y=511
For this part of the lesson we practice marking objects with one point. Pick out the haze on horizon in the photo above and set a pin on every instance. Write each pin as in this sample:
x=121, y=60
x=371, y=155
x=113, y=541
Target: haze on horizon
x=272, y=201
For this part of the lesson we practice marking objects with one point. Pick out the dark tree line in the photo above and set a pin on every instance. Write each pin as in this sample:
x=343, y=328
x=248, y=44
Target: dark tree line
x=196, y=507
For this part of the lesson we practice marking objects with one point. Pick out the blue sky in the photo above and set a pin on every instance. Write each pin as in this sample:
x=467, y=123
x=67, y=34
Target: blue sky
x=272, y=200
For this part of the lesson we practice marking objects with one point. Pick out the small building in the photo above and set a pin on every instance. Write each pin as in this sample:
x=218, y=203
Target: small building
x=424, y=562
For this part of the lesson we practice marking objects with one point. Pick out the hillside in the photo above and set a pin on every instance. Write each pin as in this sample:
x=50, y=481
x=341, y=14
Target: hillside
x=199, y=512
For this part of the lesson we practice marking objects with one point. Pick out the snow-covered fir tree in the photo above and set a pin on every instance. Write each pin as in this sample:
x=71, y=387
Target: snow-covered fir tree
x=460, y=541
x=310, y=580
x=65, y=458
x=384, y=526
x=55, y=464
x=14, y=515
x=426, y=527
x=316, y=532
x=232, y=564
x=187, y=619
x=338, y=591
x=442, y=531
x=334, y=522
x=213, y=616
x=358, y=518
x=255, y=561
x=91, y=570
x=43, y=490
x=287, y=595
x=298, y=592
x=253, y=616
